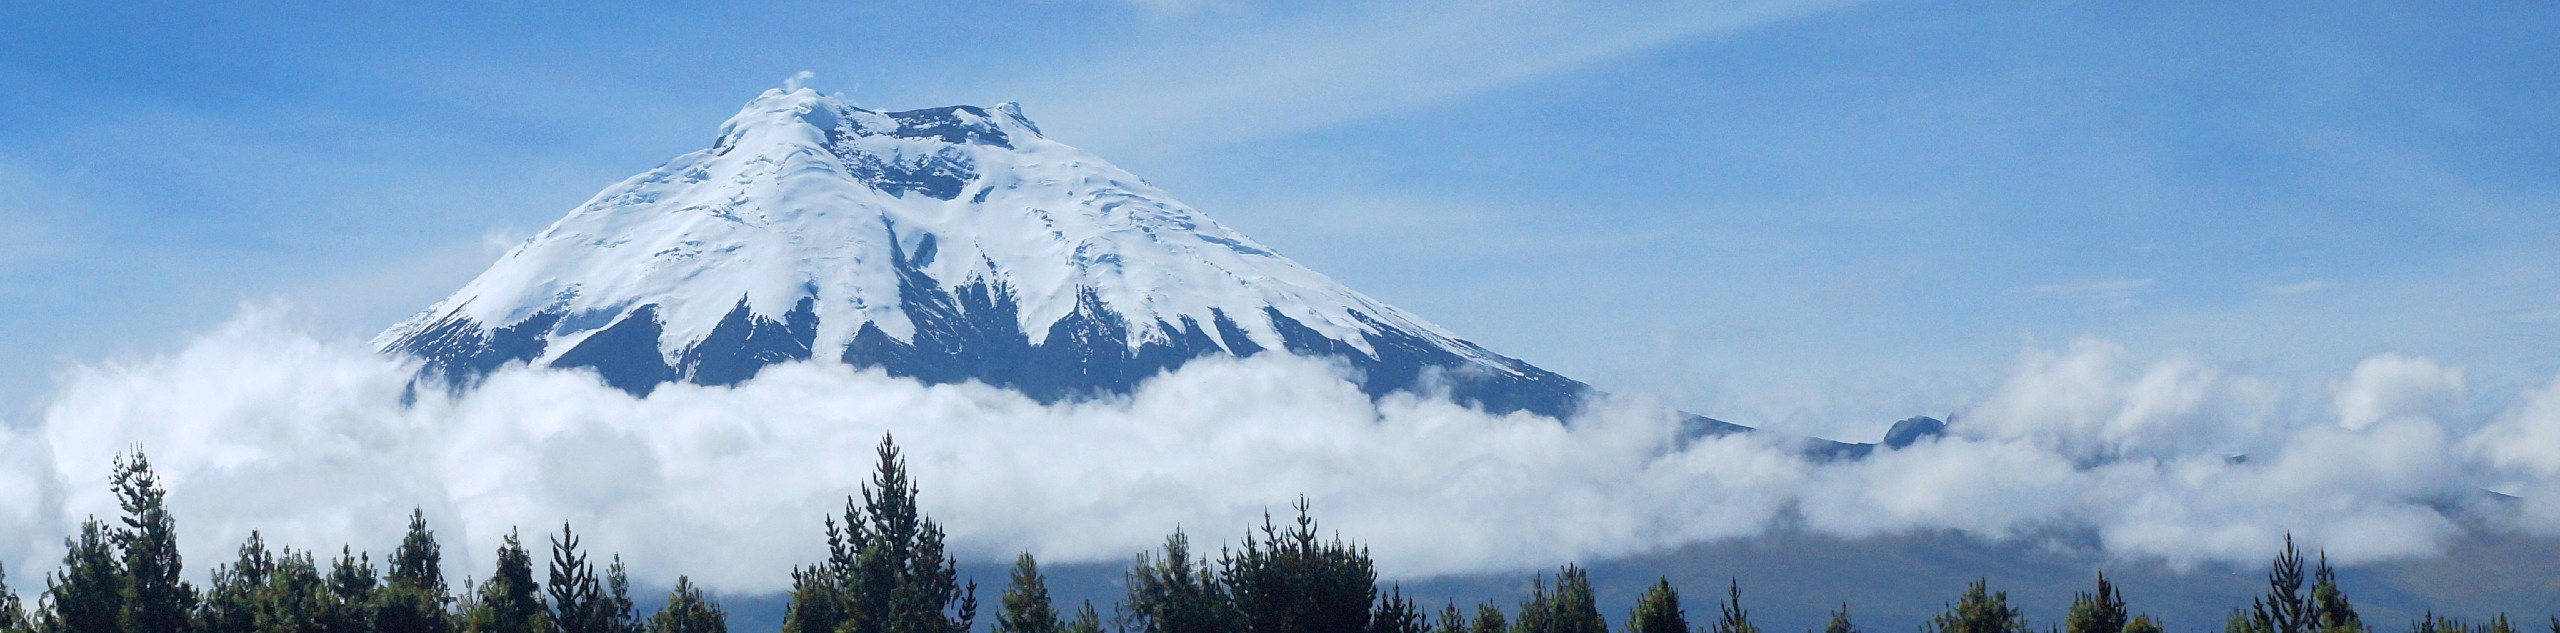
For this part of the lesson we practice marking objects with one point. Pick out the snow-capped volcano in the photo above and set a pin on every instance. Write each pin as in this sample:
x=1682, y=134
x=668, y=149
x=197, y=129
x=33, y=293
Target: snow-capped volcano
x=946, y=244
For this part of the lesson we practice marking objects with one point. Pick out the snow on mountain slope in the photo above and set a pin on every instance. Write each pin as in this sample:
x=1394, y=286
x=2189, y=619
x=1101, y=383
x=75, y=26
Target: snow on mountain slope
x=946, y=244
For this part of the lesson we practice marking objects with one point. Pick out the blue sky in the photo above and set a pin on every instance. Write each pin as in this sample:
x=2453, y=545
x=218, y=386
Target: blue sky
x=1813, y=215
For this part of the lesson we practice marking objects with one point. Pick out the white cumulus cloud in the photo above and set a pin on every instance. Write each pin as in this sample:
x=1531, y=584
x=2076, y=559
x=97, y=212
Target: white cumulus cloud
x=317, y=443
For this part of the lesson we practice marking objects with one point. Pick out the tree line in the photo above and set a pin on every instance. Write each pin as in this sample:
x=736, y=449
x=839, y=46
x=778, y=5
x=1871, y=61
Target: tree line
x=887, y=570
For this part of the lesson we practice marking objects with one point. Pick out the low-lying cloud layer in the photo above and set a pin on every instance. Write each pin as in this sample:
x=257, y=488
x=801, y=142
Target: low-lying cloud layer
x=258, y=426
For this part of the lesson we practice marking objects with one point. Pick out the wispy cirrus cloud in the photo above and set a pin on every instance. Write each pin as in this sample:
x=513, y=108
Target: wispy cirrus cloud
x=2304, y=287
x=2103, y=294
x=1344, y=65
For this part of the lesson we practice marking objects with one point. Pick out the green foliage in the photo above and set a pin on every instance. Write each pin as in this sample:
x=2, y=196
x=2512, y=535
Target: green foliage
x=155, y=598
x=2330, y=611
x=1292, y=581
x=238, y=593
x=1175, y=593
x=87, y=596
x=687, y=611
x=2099, y=612
x=617, y=599
x=413, y=598
x=2288, y=608
x=13, y=612
x=1089, y=621
x=1451, y=620
x=2432, y=623
x=510, y=602
x=1658, y=610
x=886, y=568
x=577, y=598
x=817, y=602
x=1734, y=619
x=1840, y=621
x=1567, y=608
x=2143, y=624
x=1489, y=620
x=1979, y=611
x=298, y=599
x=419, y=561
x=1397, y=614
x=581, y=601
x=352, y=583
x=1026, y=601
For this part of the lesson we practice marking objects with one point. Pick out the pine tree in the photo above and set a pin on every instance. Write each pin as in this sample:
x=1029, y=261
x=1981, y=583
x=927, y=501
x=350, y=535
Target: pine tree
x=2284, y=609
x=1396, y=613
x=1175, y=593
x=817, y=600
x=886, y=568
x=413, y=596
x=155, y=597
x=687, y=611
x=1294, y=581
x=1734, y=620
x=232, y=604
x=87, y=596
x=352, y=583
x=1489, y=620
x=1567, y=608
x=2330, y=611
x=2099, y=612
x=296, y=599
x=1658, y=610
x=577, y=600
x=13, y=613
x=1840, y=621
x=1026, y=601
x=1979, y=611
x=616, y=604
x=510, y=602
x=1089, y=621
x=419, y=561
x=1451, y=620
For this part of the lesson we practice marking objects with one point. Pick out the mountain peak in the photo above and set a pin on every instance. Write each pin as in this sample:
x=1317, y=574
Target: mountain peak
x=802, y=117
x=948, y=244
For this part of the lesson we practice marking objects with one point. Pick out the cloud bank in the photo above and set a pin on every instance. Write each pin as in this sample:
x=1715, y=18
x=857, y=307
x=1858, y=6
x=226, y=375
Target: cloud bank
x=259, y=426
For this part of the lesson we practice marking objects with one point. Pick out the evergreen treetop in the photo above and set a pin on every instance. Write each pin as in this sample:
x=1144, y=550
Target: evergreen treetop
x=1840, y=621
x=1734, y=619
x=1979, y=611
x=510, y=602
x=687, y=611
x=155, y=597
x=1569, y=607
x=2101, y=611
x=1088, y=620
x=13, y=613
x=418, y=562
x=1292, y=580
x=886, y=567
x=87, y=596
x=1176, y=593
x=1451, y=620
x=1658, y=610
x=1489, y=620
x=1026, y=601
